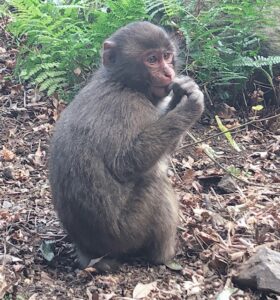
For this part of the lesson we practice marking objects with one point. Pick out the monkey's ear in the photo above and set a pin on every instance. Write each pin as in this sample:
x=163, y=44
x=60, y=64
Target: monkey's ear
x=109, y=53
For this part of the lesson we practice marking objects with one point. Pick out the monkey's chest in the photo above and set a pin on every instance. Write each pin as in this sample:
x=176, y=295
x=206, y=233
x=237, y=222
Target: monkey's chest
x=162, y=166
x=163, y=104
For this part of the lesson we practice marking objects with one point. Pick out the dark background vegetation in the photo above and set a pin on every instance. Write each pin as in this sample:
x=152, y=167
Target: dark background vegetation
x=220, y=42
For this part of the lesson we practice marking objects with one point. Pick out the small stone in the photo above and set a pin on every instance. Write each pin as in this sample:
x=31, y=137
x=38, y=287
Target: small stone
x=261, y=272
x=6, y=204
x=227, y=184
x=216, y=284
x=8, y=173
x=199, y=271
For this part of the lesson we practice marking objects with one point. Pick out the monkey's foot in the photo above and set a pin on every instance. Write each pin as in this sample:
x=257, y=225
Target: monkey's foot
x=105, y=265
x=101, y=264
x=83, y=259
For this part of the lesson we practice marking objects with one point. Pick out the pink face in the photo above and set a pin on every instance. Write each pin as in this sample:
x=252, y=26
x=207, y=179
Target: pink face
x=161, y=69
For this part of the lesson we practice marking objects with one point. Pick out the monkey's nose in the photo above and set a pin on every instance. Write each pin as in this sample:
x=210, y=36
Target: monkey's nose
x=168, y=75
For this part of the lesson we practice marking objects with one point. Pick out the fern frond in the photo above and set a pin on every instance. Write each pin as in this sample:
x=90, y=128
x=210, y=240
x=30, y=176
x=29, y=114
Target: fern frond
x=257, y=61
x=153, y=5
x=50, y=82
x=50, y=65
x=58, y=38
x=169, y=8
x=33, y=71
x=49, y=74
x=55, y=87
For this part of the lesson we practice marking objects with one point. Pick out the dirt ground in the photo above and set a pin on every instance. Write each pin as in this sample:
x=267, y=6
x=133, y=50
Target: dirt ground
x=223, y=222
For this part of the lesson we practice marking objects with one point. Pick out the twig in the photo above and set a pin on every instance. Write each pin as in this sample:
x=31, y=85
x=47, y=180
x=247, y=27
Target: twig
x=234, y=176
x=5, y=251
x=229, y=130
x=174, y=170
x=207, y=94
x=24, y=98
x=209, y=138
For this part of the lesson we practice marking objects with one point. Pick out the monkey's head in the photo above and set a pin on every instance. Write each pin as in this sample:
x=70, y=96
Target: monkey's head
x=141, y=56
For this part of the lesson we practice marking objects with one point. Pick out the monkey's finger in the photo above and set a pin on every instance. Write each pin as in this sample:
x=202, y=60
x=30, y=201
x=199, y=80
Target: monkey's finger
x=197, y=96
x=182, y=79
x=185, y=89
x=193, y=103
x=189, y=87
x=177, y=88
x=184, y=86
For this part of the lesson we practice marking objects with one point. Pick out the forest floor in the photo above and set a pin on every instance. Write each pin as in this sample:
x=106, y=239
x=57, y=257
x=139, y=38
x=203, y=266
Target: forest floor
x=223, y=221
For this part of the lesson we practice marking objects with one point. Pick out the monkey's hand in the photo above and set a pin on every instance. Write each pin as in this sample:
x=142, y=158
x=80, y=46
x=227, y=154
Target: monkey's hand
x=188, y=95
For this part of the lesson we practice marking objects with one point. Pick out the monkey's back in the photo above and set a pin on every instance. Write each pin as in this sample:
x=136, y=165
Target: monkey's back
x=90, y=199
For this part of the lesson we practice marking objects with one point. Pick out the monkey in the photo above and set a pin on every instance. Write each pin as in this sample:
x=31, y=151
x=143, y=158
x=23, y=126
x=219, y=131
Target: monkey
x=110, y=148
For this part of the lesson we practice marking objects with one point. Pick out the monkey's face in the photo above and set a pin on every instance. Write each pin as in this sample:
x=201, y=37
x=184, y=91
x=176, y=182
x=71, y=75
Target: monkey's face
x=160, y=66
x=142, y=57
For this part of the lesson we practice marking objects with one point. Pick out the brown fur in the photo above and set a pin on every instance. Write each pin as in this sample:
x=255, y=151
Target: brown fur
x=109, y=150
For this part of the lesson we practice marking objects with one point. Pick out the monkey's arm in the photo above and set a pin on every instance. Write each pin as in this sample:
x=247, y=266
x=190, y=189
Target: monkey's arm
x=145, y=150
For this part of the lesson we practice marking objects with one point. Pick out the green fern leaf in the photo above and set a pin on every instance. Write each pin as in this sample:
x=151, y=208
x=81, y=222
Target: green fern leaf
x=257, y=61
x=49, y=82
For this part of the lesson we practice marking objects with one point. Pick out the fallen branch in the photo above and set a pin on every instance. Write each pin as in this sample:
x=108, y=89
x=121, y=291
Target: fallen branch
x=228, y=172
x=232, y=130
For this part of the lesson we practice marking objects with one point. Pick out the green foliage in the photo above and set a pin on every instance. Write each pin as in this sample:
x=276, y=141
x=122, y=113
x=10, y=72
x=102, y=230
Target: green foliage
x=217, y=34
x=258, y=61
x=3, y=9
x=234, y=171
x=62, y=39
x=165, y=10
x=238, y=172
x=265, y=65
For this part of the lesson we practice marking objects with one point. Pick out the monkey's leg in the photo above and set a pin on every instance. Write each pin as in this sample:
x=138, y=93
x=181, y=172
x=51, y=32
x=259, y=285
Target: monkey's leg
x=166, y=218
x=161, y=248
x=157, y=219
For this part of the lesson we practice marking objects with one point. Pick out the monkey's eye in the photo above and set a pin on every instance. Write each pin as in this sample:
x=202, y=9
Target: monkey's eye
x=167, y=56
x=152, y=59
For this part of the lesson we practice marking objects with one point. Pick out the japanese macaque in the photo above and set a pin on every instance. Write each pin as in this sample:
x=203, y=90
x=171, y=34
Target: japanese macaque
x=110, y=147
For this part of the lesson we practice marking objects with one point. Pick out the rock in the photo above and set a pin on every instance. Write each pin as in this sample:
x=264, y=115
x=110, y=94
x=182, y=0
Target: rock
x=261, y=272
x=227, y=184
x=8, y=173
